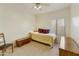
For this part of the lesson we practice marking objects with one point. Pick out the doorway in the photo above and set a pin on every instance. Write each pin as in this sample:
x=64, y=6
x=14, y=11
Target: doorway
x=60, y=29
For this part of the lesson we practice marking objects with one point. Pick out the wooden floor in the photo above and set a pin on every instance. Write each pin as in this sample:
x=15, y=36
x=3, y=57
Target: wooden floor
x=34, y=49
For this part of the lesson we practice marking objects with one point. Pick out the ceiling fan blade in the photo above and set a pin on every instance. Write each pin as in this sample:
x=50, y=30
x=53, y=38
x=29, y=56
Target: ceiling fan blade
x=43, y=4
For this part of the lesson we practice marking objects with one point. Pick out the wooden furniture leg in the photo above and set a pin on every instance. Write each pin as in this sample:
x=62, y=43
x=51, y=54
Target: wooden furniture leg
x=3, y=51
x=12, y=48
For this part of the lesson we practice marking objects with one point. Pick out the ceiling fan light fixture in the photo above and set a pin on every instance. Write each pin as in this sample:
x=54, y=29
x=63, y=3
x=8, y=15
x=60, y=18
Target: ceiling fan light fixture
x=37, y=6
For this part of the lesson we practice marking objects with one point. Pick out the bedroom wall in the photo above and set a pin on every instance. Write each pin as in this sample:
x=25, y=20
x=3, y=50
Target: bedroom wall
x=75, y=22
x=44, y=20
x=16, y=22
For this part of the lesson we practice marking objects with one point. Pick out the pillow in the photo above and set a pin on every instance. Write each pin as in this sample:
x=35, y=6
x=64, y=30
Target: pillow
x=45, y=31
x=40, y=30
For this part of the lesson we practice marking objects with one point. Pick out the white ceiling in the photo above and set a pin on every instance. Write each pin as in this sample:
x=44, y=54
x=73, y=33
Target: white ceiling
x=49, y=7
x=30, y=7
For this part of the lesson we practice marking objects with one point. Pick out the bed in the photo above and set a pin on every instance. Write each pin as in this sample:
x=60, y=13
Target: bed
x=49, y=38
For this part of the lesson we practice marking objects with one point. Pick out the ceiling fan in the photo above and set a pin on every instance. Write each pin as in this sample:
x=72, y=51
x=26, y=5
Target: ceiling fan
x=40, y=5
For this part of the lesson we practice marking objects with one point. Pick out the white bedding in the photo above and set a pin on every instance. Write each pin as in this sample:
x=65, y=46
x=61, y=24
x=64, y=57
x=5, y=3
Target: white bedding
x=45, y=38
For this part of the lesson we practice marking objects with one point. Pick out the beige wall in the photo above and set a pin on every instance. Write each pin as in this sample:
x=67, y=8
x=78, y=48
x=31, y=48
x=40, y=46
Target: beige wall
x=44, y=20
x=16, y=22
x=75, y=18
